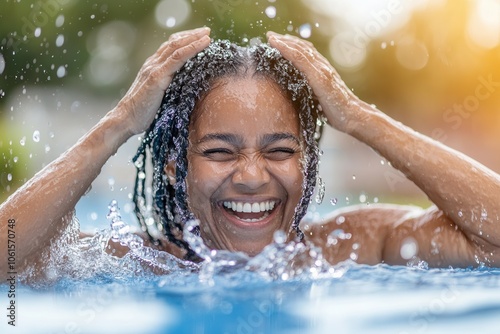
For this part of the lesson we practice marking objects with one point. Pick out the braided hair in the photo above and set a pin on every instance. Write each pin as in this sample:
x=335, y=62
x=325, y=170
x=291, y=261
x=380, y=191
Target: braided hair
x=166, y=139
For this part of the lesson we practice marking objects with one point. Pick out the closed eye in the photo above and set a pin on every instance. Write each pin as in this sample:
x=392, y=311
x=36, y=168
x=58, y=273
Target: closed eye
x=280, y=153
x=219, y=154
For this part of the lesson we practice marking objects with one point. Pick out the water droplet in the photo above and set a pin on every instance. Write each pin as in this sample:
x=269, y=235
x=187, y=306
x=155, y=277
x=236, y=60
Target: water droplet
x=333, y=201
x=279, y=237
x=92, y=16
x=23, y=141
x=9, y=177
x=60, y=20
x=354, y=177
x=15, y=159
x=61, y=71
x=321, y=190
x=362, y=198
x=36, y=136
x=383, y=45
x=38, y=32
x=484, y=214
x=305, y=30
x=60, y=40
x=409, y=248
x=170, y=22
x=2, y=63
x=340, y=220
x=460, y=214
x=271, y=12
x=47, y=148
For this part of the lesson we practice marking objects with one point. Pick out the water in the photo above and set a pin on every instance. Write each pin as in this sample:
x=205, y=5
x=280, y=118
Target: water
x=379, y=299
x=288, y=288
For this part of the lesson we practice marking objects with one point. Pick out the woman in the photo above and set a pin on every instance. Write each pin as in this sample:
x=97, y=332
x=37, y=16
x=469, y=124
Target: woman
x=239, y=158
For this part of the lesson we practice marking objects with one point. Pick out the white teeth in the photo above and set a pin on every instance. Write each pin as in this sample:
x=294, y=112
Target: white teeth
x=255, y=207
x=247, y=207
x=250, y=207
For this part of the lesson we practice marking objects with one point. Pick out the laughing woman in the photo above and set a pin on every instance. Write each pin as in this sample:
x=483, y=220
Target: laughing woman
x=233, y=139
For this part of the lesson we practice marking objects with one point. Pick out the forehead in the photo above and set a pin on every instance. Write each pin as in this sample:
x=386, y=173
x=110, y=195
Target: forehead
x=250, y=105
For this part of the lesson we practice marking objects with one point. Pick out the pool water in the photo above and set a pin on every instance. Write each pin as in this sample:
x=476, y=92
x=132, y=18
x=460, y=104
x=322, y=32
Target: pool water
x=364, y=299
x=89, y=291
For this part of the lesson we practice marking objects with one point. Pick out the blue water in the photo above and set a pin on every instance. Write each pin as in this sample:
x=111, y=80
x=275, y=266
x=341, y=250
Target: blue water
x=364, y=299
x=288, y=288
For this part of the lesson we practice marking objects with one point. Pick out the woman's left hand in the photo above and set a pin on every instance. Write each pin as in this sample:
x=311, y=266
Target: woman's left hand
x=334, y=96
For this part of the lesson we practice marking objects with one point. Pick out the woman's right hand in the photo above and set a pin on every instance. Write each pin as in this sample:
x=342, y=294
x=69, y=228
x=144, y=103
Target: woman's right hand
x=140, y=104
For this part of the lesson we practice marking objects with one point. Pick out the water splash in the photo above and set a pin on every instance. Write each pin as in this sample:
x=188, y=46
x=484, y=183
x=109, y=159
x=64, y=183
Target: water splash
x=92, y=257
x=321, y=190
x=281, y=260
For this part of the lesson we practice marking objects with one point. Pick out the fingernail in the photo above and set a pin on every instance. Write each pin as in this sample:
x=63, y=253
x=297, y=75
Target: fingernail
x=201, y=29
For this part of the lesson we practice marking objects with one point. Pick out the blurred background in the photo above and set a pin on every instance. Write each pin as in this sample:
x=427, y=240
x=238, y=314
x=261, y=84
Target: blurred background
x=431, y=64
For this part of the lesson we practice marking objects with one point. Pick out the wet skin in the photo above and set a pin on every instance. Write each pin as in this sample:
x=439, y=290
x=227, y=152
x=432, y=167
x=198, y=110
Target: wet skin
x=244, y=154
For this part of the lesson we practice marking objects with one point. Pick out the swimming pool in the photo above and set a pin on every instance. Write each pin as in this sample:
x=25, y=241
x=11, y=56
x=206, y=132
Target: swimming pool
x=364, y=299
x=152, y=292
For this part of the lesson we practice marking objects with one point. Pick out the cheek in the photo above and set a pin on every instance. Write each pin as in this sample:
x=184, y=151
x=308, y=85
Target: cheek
x=291, y=176
x=204, y=178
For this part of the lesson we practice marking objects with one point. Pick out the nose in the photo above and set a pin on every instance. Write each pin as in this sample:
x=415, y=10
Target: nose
x=251, y=174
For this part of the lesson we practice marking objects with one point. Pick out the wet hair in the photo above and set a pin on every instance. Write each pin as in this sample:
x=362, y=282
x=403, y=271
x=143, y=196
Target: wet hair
x=167, y=138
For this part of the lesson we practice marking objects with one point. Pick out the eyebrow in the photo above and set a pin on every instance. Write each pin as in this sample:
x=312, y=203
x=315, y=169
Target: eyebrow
x=274, y=137
x=229, y=138
x=237, y=140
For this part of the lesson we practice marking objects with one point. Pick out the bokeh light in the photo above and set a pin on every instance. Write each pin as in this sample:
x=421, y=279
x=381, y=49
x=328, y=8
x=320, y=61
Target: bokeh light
x=171, y=13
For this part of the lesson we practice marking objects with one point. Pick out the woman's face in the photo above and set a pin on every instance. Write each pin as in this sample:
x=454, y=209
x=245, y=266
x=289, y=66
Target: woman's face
x=244, y=179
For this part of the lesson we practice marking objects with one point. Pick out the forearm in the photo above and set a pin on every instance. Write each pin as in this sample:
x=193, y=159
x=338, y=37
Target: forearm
x=39, y=205
x=465, y=190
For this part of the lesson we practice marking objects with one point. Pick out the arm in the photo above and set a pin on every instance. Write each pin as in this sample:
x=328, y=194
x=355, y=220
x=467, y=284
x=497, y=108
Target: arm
x=39, y=206
x=467, y=192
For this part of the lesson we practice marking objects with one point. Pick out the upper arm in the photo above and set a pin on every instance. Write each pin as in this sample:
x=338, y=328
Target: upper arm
x=434, y=238
x=397, y=234
x=357, y=232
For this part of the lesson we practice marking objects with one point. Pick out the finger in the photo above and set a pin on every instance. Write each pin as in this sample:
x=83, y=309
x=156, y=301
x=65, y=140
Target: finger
x=308, y=47
x=293, y=53
x=296, y=39
x=182, y=42
x=181, y=39
x=178, y=58
x=197, y=31
x=319, y=74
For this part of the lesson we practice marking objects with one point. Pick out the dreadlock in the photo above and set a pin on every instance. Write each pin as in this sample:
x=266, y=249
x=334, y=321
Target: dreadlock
x=167, y=138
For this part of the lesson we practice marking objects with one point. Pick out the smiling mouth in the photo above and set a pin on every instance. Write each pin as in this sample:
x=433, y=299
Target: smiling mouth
x=249, y=212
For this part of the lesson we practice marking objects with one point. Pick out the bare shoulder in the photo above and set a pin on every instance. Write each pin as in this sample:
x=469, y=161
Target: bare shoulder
x=357, y=232
x=392, y=234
